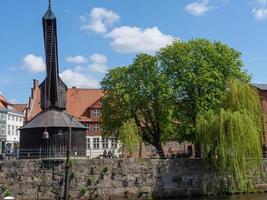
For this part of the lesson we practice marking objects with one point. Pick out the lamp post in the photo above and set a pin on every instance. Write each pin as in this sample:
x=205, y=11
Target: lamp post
x=67, y=166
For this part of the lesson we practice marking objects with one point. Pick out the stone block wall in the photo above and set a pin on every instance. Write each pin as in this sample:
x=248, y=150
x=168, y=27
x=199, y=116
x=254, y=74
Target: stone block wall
x=109, y=179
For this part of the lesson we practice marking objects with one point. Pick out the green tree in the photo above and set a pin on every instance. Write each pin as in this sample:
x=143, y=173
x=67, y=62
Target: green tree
x=197, y=71
x=231, y=136
x=129, y=137
x=140, y=92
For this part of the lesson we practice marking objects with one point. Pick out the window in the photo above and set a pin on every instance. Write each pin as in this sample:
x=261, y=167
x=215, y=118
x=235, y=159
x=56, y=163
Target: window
x=3, y=117
x=13, y=117
x=17, y=131
x=88, y=142
x=96, y=127
x=96, y=112
x=105, y=143
x=8, y=117
x=96, y=143
x=87, y=125
x=13, y=130
x=113, y=143
x=9, y=130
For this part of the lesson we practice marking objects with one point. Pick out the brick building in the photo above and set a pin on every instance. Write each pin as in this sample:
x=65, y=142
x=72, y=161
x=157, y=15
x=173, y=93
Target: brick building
x=85, y=106
x=262, y=89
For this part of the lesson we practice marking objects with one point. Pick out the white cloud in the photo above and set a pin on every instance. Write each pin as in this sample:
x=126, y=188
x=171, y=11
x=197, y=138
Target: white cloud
x=260, y=9
x=260, y=13
x=76, y=59
x=78, y=79
x=79, y=68
x=99, y=63
x=100, y=20
x=199, y=7
x=128, y=39
x=33, y=63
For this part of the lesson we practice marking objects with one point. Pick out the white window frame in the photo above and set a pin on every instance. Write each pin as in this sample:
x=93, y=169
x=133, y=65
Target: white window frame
x=114, y=143
x=97, y=112
x=96, y=127
x=96, y=143
x=105, y=143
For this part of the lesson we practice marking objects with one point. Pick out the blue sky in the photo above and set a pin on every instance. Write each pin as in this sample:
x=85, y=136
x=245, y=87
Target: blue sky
x=96, y=35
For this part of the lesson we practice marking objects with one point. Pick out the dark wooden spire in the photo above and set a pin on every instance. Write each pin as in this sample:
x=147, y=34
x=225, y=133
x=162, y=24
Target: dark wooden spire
x=53, y=89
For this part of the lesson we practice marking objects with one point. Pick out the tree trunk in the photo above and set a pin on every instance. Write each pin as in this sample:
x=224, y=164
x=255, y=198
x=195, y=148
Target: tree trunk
x=140, y=150
x=160, y=151
x=197, y=150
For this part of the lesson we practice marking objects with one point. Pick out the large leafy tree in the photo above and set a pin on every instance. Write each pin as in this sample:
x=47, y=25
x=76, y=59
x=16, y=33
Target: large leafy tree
x=164, y=93
x=140, y=92
x=197, y=71
x=231, y=135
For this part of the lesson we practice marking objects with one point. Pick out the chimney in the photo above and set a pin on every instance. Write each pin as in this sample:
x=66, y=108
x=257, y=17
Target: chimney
x=35, y=83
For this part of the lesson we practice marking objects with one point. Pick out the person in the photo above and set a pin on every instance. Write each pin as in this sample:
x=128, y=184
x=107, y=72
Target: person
x=113, y=153
x=109, y=153
x=105, y=154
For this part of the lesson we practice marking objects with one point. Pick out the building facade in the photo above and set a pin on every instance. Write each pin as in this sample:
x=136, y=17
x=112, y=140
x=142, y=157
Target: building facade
x=3, y=119
x=14, y=121
x=11, y=119
x=262, y=89
x=85, y=106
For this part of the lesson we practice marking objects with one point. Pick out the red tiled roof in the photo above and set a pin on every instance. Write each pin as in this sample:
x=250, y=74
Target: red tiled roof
x=20, y=107
x=78, y=101
x=3, y=102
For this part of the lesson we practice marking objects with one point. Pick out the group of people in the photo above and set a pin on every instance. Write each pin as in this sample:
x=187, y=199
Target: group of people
x=109, y=154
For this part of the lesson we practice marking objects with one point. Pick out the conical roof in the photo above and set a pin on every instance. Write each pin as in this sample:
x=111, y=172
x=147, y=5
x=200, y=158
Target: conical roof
x=49, y=13
x=53, y=119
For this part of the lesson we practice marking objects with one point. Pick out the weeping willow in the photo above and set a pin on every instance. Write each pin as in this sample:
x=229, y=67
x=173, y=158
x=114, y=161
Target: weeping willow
x=129, y=137
x=231, y=137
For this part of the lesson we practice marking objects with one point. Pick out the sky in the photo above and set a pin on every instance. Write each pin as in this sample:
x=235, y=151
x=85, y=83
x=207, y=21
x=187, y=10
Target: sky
x=97, y=35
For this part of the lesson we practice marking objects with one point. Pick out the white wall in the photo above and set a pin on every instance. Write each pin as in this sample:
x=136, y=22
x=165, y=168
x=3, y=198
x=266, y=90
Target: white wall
x=13, y=123
x=93, y=152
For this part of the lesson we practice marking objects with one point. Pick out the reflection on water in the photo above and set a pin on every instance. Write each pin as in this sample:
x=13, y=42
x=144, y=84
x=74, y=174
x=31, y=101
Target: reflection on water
x=262, y=196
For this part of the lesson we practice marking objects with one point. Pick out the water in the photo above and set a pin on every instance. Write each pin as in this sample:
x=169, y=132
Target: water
x=260, y=196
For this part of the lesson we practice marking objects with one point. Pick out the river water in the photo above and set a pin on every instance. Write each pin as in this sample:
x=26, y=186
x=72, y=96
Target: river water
x=258, y=196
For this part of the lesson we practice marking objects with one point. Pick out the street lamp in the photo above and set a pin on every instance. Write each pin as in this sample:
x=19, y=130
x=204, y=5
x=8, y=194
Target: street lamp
x=67, y=166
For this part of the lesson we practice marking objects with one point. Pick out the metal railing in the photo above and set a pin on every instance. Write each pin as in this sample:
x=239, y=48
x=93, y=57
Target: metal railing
x=39, y=153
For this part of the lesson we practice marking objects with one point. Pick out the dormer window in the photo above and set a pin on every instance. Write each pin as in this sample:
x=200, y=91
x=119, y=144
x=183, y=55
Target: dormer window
x=96, y=112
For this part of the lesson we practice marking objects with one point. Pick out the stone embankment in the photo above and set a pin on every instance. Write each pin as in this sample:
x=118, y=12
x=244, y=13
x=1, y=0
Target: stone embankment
x=109, y=179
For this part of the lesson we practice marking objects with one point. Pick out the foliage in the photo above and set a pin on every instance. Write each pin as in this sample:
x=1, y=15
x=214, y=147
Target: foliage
x=163, y=93
x=231, y=136
x=5, y=191
x=129, y=137
x=197, y=71
x=139, y=92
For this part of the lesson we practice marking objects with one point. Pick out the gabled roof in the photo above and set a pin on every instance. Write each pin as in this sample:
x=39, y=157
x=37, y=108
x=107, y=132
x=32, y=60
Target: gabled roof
x=20, y=107
x=79, y=100
x=260, y=86
x=3, y=102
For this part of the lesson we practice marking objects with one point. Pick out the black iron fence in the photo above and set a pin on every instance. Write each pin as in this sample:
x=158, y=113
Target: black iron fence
x=38, y=154
x=146, y=152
